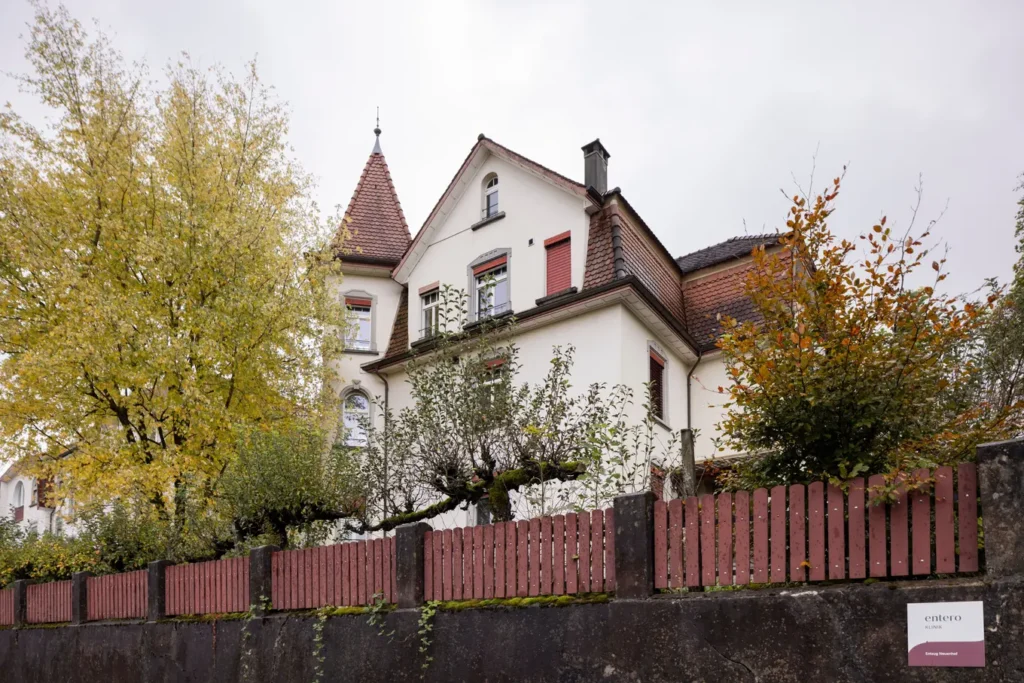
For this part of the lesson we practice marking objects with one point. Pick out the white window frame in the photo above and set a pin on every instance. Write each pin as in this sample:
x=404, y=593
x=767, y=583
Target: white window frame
x=357, y=315
x=19, y=495
x=356, y=433
x=487, y=286
x=430, y=311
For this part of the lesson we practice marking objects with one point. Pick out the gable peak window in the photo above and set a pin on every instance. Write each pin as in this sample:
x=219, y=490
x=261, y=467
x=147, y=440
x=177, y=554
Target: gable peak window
x=360, y=320
x=657, y=380
x=490, y=196
x=491, y=288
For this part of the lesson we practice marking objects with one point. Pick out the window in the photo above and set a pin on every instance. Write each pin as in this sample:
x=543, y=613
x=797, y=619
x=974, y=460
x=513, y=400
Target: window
x=356, y=418
x=657, y=385
x=19, y=502
x=492, y=292
x=559, y=264
x=41, y=492
x=490, y=196
x=495, y=370
x=430, y=305
x=360, y=332
x=492, y=296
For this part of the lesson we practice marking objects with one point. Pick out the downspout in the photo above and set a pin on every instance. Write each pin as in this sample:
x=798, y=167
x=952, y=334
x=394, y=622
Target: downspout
x=387, y=387
x=689, y=423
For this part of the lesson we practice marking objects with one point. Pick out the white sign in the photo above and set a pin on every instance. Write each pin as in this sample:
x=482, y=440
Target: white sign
x=946, y=634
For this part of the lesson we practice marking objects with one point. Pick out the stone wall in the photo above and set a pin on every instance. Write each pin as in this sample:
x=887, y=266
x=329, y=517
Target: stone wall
x=846, y=632
x=839, y=633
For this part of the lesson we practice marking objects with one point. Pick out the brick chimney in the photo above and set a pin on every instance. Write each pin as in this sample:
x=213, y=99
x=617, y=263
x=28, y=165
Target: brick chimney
x=595, y=166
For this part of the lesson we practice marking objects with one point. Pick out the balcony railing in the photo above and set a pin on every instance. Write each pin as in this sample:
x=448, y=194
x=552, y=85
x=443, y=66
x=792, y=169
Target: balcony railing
x=494, y=311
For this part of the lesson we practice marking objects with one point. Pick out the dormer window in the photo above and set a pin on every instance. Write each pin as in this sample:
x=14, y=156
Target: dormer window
x=490, y=196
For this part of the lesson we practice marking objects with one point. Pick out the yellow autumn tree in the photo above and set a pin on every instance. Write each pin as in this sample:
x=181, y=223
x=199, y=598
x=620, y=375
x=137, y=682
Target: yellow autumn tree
x=164, y=279
x=852, y=363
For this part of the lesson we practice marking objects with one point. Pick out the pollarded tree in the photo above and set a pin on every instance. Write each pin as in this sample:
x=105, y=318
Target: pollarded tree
x=162, y=281
x=848, y=369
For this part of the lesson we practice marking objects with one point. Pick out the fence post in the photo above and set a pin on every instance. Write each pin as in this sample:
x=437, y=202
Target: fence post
x=1001, y=480
x=79, y=598
x=156, y=589
x=409, y=565
x=261, y=586
x=20, y=589
x=634, y=545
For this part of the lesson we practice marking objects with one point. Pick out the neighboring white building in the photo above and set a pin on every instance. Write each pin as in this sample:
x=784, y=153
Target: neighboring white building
x=573, y=261
x=24, y=499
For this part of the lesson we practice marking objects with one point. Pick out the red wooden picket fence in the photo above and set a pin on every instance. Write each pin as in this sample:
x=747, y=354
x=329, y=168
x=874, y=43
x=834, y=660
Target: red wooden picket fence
x=117, y=596
x=49, y=602
x=337, y=575
x=818, y=534
x=564, y=554
x=6, y=607
x=215, y=587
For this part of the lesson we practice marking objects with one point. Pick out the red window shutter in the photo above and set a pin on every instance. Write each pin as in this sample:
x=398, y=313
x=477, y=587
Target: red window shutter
x=350, y=301
x=559, y=263
x=493, y=263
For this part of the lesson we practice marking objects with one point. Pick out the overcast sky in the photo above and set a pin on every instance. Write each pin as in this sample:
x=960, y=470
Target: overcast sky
x=708, y=109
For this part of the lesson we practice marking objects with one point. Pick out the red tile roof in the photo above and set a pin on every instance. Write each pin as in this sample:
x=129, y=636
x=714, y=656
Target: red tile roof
x=714, y=295
x=399, y=342
x=377, y=231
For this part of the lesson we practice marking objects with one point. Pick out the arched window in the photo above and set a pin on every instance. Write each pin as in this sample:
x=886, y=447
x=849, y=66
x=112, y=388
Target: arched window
x=490, y=195
x=355, y=413
x=19, y=502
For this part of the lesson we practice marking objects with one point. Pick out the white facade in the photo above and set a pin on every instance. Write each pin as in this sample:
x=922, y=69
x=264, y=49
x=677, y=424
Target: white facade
x=19, y=498
x=707, y=405
x=534, y=210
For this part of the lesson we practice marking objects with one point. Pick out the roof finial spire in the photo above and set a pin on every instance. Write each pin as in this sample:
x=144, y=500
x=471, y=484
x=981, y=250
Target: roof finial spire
x=376, y=131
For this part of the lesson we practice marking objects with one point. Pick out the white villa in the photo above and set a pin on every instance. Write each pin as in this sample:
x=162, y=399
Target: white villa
x=573, y=261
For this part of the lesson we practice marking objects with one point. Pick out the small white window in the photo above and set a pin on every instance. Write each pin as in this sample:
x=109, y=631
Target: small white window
x=430, y=303
x=492, y=292
x=356, y=418
x=490, y=196
x=360, y=319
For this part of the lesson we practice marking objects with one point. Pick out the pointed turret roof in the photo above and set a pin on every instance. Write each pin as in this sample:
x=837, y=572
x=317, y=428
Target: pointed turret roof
x=377, y=229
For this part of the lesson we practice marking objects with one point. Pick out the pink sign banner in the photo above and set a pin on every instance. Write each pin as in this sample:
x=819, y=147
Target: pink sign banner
x=946, y=634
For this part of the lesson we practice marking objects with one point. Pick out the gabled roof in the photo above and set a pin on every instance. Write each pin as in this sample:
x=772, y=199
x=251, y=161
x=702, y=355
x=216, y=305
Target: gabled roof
x=377, y=229
x=485, y=145
x=729, y=250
